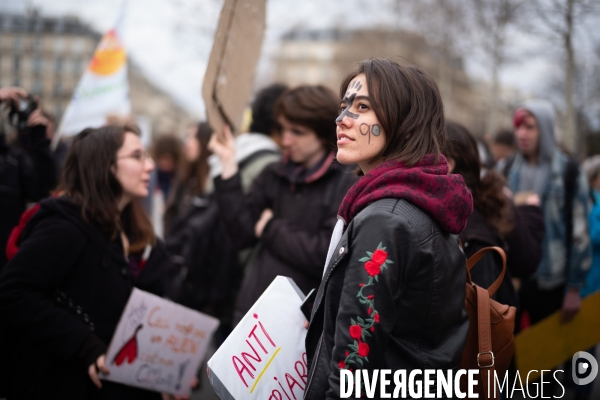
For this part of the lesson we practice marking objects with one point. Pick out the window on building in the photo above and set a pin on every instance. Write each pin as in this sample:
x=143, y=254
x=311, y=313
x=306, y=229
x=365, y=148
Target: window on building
x=37, y=87
x=58, y=89
x=78, y=46
x=59, y=44
x=17, y=43
x=37, y=64
x=17, y=64
x=37, y=44
x=58, y=65
x=77, y=66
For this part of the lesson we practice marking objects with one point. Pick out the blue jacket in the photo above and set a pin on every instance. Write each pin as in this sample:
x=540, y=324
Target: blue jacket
x=593, y=279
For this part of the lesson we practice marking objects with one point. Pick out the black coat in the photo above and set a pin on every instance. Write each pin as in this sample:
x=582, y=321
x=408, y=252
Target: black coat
x=295, y=242
x=61, y=298
x=198, y=240
x=407, y=313
x=523, y=247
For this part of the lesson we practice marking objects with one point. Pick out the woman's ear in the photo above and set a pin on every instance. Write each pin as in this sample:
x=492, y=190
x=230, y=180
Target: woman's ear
x=451, y=165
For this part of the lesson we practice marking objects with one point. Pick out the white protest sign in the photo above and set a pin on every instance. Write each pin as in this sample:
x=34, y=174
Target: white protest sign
x=158, y=345
x=264, y=356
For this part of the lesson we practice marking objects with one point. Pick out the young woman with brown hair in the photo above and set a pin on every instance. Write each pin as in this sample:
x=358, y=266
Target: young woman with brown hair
x=79, y=256
x=392, y=294
x=495, y=220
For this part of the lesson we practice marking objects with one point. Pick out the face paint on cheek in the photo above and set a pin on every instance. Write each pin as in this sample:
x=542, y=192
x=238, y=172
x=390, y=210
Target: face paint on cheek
x=365, y=130
x=376, y=130
x=347, y=110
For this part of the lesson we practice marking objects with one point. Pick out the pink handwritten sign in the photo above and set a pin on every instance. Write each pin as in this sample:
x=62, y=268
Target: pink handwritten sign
x=264, y=356
x=158, y=345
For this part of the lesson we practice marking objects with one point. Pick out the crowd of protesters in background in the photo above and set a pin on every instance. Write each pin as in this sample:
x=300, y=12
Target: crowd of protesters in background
x=209, y=219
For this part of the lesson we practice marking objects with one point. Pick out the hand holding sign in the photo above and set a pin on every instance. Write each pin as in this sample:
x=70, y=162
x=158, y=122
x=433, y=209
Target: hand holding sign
x=98, y=366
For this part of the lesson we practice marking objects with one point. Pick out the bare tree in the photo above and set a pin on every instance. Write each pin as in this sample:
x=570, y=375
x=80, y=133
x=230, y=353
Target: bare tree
x=444, y=23
x=559, y=21
x=495, y=18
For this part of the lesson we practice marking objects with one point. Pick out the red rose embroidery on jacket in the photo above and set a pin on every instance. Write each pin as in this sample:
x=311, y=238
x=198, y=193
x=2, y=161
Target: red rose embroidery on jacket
x=355, y=331
x=379, y=257
x=372, y=268
x=360, y=328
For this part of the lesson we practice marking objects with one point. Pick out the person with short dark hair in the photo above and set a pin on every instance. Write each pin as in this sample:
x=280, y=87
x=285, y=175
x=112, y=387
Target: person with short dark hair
x=78, y=259
x=263, y=118
x=291, y=207
x=260, y=147
x=393, y=289
x=503, y=148
x=166, y=151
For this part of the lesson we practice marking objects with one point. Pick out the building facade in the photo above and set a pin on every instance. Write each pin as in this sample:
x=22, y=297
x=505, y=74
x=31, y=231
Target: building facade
x=47, y=57
x=326, y=56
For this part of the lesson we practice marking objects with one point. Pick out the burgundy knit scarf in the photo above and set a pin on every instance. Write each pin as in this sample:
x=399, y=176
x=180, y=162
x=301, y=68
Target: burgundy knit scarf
x=427, y=185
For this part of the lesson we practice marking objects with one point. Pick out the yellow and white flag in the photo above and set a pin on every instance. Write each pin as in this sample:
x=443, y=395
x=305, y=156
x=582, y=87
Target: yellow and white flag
x=103, y=89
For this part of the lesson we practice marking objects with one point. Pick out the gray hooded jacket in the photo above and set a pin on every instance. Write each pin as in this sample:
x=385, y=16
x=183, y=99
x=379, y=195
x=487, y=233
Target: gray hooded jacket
x=546, y=178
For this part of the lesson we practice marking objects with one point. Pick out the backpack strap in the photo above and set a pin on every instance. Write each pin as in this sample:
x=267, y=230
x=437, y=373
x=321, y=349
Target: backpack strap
x=14, y=240
x=570, y=183
x=477, y=256
x=485, y=357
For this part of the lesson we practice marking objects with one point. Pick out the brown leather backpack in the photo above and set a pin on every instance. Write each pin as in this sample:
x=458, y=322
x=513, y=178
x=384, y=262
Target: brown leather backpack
x=491, y=341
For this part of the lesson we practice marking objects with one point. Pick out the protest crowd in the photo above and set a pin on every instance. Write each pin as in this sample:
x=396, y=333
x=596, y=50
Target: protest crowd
x=373, y=196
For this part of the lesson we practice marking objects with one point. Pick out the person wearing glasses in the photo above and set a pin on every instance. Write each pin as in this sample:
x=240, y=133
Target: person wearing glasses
x=78, y=258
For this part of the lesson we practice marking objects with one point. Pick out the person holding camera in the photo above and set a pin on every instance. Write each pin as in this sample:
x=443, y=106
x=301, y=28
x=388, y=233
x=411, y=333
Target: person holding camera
x=27, y=167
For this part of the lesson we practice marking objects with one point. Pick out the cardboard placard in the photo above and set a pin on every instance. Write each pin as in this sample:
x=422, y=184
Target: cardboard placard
x=549, y=343
x=264, y=356
x=158, y=345
x=231, y=67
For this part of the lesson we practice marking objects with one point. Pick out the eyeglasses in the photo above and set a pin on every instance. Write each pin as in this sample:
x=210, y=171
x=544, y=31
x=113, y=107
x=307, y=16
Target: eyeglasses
x=140, y=156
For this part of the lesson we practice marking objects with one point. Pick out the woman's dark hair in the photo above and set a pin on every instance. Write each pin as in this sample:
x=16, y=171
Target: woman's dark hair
x=315, y=107
x=195, y=173
x=88, y=179
x=409, y=108
x=488, y=196
x=263, y=120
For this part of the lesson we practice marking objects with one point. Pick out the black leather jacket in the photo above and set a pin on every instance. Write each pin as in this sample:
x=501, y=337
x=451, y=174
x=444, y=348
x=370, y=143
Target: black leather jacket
x=392, y=297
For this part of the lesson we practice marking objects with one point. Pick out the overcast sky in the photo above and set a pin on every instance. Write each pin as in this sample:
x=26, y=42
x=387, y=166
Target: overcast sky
x=171, y=39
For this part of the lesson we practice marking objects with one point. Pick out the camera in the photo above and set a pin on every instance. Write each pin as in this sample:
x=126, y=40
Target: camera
x=19, y=114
